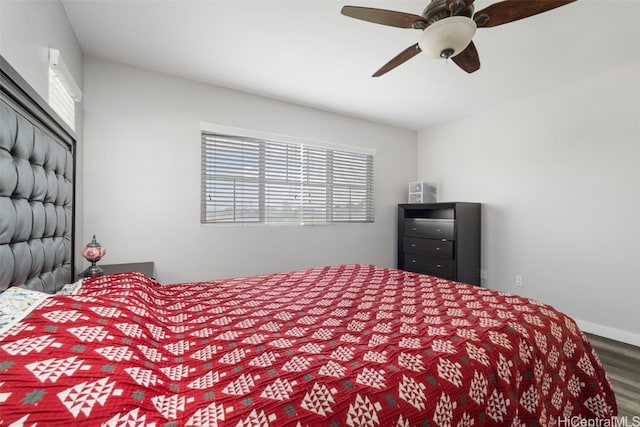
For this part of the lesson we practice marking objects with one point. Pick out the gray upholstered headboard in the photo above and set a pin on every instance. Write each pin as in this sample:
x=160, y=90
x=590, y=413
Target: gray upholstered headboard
x=36, y=189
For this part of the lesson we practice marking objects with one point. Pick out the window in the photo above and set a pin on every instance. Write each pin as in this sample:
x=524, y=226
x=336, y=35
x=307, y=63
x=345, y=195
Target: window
x=63, y=90
x=278, y=180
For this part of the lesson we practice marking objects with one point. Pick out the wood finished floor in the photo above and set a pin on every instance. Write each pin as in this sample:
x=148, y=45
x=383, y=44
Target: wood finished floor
x=622, y=363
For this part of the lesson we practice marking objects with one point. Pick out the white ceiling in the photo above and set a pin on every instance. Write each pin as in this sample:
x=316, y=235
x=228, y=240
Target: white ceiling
x=306, y=52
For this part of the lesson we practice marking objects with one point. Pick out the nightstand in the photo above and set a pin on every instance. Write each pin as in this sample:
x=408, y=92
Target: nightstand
x=146, y=268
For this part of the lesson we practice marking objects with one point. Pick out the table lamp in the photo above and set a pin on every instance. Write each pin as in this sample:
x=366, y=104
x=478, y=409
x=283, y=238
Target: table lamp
x=93, y=252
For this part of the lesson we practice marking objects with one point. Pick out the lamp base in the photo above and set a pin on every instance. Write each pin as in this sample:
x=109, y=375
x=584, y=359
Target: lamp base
x=92, y=271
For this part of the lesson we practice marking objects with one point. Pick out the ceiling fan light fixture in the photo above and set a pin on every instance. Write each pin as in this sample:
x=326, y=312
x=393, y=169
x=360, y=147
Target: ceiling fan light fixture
x=447, y=37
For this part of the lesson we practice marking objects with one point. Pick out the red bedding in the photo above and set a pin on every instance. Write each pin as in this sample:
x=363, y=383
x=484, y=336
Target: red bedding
x=349, y=345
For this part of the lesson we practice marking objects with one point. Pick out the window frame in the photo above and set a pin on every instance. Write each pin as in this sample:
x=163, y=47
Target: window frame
x=63, y=91
x=264, y=217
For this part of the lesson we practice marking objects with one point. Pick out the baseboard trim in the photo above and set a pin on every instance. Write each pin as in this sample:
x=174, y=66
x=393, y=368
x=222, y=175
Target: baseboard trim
x=608, y=332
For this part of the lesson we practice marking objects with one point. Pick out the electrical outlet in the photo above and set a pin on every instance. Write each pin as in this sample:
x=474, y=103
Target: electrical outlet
x=519, y=280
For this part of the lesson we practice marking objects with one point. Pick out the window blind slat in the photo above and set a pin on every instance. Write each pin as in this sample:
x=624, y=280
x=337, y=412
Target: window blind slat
x=272, y=182
x=61, y=100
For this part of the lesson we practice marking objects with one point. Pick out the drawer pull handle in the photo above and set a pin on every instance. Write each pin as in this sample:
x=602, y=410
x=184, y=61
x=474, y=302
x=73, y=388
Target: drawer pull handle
x=413, y=245
x=414, y=229
x=438, y=248
x=413, y=261
x=439, y=265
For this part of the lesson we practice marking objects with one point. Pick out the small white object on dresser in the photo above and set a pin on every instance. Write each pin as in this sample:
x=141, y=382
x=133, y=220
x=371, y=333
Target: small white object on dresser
x=422, y=192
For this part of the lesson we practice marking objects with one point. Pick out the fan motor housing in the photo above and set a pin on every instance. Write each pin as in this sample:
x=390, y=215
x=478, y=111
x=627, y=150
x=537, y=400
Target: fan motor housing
x=438, y=9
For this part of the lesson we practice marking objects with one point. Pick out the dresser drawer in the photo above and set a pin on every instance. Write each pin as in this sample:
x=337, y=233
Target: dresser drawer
x=444, y=268
x=429, y=228
x=440, y=239
x=432, y=247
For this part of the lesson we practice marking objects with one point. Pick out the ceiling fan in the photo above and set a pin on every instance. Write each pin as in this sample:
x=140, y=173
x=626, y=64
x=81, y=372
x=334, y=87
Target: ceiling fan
x=448, y=27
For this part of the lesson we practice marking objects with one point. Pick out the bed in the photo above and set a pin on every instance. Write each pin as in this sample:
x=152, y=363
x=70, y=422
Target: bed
x=348, y=345
x=343, y=345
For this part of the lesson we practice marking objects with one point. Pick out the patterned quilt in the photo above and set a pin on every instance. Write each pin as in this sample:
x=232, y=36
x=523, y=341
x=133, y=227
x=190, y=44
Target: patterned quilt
x=348, y=345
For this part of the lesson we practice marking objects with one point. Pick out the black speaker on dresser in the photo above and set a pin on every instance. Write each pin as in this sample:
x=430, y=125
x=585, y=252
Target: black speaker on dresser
x=440, y=239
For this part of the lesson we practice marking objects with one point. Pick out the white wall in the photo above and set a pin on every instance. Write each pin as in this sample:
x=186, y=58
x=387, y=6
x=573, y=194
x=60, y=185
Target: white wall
x=27, y=30
x=142, y=182
x=559, y=178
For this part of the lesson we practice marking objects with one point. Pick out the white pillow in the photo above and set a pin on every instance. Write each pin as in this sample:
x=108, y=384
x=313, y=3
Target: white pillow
x=16, y=303
x=70, y=288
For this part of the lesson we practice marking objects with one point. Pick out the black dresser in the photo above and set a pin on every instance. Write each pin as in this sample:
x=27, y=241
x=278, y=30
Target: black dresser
x=440, y=239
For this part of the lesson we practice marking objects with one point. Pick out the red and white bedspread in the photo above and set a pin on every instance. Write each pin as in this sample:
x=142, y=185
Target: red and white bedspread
x=349, y=345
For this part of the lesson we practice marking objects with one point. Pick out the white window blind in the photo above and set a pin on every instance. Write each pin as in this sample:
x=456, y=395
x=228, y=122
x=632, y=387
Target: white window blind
x=63, y=90
x=252, y=180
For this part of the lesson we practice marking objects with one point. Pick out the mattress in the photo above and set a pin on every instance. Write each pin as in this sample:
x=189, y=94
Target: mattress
x=345, y=345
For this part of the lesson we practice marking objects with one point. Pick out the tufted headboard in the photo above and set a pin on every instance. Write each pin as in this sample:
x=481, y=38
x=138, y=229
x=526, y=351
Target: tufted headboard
x=37, y=169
